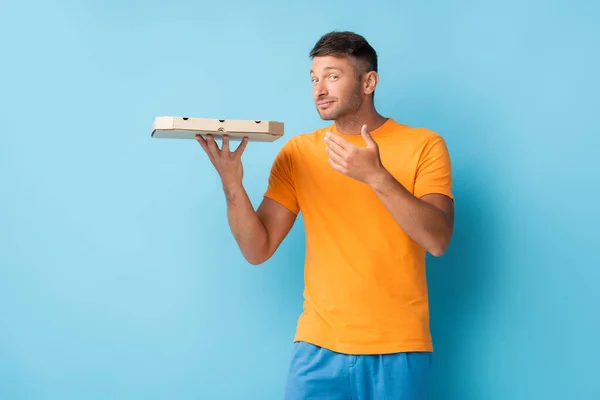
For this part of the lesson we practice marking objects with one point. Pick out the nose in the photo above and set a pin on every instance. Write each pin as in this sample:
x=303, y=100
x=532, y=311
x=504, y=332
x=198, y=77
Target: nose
x=320, y=89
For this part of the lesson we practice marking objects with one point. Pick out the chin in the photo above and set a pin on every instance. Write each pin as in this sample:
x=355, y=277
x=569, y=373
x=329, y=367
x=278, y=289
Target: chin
x=327, y=116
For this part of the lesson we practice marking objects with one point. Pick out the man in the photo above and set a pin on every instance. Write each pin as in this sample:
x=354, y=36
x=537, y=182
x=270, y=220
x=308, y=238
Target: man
x=376, y=195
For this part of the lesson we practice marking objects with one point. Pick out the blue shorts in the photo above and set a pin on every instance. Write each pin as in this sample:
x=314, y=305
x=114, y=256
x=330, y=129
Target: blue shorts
x=317, y=373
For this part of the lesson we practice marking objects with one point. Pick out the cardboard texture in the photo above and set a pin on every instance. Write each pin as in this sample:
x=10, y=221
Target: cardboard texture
x=188, y=128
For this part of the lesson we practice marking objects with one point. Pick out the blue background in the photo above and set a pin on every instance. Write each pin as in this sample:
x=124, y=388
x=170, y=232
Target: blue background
x=119, y=278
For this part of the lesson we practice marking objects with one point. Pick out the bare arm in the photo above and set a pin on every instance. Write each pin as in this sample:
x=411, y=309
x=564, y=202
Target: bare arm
x=428, y=220
x=258, y=233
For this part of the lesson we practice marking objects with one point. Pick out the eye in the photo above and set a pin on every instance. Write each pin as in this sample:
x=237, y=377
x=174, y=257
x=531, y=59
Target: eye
x=313, y=80
x=333, y=77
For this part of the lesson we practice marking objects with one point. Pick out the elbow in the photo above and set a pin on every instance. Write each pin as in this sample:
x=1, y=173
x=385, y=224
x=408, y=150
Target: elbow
x=255, y=252
x=437, y=251
x=254, y=260
x=257, y=258
x=439, y=247
x=258, y=253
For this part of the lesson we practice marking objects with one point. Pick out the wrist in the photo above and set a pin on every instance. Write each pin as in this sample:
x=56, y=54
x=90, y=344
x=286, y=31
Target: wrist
x=232, y=190
x=380, y=180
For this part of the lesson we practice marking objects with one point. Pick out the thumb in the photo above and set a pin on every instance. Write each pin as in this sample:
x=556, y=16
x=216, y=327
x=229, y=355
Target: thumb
x=367, y=136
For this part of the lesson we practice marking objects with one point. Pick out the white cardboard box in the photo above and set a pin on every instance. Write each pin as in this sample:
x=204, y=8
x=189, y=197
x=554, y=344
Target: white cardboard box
x=188, y=128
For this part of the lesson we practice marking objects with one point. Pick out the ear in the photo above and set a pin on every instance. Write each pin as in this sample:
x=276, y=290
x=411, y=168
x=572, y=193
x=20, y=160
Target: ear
x=370, y=81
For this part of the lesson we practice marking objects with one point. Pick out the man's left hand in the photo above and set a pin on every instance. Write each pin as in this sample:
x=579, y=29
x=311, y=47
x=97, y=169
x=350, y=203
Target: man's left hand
x=360, y=163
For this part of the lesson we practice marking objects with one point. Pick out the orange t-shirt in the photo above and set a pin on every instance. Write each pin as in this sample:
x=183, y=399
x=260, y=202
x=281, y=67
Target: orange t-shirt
x=365, y=283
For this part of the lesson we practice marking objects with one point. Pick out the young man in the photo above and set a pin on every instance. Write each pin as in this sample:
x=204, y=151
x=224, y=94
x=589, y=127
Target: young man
x=376, y=195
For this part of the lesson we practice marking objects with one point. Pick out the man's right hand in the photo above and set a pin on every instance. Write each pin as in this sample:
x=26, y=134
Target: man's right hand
x=227, y=163
x=258, y=233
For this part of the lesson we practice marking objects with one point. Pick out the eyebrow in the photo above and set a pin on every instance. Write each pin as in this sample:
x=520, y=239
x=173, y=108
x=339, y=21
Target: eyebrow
x=326, y=69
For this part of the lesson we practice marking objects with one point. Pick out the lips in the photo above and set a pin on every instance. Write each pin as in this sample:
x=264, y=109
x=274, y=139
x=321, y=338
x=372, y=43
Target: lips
x=324, y=103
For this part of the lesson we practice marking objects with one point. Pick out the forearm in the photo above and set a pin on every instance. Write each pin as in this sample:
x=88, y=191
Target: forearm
x=423, y=222
x=246, y=227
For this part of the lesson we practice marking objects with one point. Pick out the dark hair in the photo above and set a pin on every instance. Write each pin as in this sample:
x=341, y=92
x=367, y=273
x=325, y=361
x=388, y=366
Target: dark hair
x=348, y=44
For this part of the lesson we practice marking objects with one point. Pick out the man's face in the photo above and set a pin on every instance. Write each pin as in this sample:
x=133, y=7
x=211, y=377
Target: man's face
x=337, y=91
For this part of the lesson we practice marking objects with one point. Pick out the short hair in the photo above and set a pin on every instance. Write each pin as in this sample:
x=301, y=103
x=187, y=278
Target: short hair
x=349, y=44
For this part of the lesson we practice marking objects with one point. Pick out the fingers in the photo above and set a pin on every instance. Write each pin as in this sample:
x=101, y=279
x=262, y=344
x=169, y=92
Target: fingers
x=225, y=147
x=336, y=148
x=212, y=146
x=343, y=144
x=335, y=157
x=242, y=146
x=336, y=166
x=202, y=142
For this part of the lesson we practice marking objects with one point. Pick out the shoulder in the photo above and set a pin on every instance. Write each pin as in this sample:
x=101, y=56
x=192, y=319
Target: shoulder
x=306, y=140
x=420, y=139
x=418, y=134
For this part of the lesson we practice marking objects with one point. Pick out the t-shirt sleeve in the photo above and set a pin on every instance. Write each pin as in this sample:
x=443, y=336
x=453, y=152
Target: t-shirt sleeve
x=281, y=185
x=434, y=171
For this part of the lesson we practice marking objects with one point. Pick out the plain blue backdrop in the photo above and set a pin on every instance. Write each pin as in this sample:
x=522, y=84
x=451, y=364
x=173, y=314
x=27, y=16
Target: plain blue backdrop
x=119, y=278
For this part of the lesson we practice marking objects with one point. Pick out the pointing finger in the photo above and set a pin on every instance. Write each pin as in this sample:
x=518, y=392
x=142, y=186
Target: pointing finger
x=212, y=145
x=202, y=142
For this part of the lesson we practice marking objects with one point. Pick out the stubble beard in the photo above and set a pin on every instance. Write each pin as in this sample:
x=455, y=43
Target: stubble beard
x=352, y=104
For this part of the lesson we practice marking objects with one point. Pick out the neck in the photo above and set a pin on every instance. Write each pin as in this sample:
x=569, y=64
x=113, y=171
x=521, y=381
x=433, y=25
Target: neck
x=351, y=124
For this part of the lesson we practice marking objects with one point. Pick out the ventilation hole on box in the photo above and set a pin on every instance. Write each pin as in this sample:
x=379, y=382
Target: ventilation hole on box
x=221, y=120
x=258, y=122
x=185, y=118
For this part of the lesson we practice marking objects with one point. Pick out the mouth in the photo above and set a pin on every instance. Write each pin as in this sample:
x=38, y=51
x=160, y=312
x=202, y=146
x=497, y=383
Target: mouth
x=324, y=103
